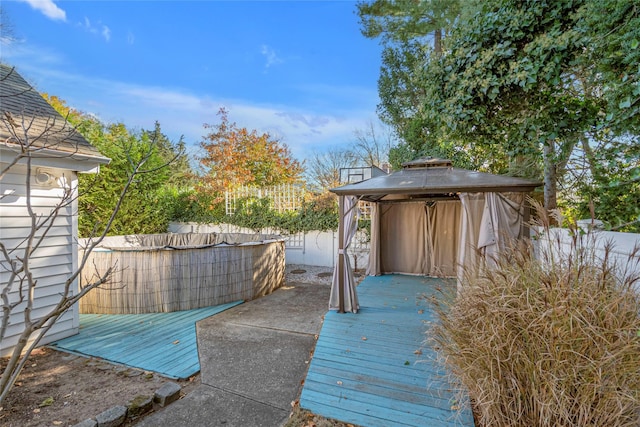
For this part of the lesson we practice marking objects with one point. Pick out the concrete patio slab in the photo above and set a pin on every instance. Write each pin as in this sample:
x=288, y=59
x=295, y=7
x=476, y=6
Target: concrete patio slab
x=254, y=358
x=208, y=406
x=263, y=364
x=296, y=307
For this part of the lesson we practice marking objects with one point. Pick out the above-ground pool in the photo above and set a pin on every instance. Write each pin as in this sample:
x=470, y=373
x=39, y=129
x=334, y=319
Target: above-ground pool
x=170, y=272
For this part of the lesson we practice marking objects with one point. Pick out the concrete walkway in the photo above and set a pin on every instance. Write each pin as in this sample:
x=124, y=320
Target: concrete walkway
x=253, y=358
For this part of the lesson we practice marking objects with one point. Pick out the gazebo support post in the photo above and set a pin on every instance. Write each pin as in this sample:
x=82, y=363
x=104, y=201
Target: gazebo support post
x=341, y=254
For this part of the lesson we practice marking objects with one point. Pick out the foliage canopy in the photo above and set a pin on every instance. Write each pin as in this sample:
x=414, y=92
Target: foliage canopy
x=235, y=156
x=147, y=206
x=545, y=90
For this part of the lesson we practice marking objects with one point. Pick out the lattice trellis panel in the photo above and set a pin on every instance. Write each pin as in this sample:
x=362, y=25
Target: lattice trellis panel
x=365, y=209
x=285, y=197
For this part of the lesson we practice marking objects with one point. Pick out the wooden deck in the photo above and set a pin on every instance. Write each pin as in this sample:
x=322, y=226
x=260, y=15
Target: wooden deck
x=160, y=342
x=373, y=369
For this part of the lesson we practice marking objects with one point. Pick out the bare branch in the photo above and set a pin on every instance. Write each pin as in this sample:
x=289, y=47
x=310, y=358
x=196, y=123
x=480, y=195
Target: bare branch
x=29, y=138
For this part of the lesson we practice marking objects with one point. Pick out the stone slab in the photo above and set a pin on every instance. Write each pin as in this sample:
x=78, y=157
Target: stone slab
x=112, y=417
x=169, y=392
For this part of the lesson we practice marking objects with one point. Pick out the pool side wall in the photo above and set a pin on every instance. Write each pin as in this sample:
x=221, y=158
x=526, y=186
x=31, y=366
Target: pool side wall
x=160, y=280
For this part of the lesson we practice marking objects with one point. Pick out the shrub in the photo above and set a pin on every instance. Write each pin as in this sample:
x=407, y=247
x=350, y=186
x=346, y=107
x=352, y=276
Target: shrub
x=550, y=340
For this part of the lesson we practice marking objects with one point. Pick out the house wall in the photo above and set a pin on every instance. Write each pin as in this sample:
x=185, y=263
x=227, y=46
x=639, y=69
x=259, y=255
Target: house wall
x=52, y=262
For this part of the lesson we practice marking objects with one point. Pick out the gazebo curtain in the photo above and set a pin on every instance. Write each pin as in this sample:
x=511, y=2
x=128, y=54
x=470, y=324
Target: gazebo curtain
x=373, y=268
x=470, y=219
x=439, y=238
x=349, y=222
x=489, y=222
x=418, y=238
x=502, y=220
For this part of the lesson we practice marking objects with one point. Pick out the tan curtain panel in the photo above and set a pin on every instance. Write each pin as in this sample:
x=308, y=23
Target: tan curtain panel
x=444, y=223
x=470, y=220
x=442, y=238
x=501, y=223
x=415, y=238
x=403, y=234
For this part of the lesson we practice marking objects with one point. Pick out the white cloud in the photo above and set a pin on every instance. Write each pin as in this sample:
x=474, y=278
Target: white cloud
x=106, y=33
x=270, y=56
x=310, y=121
x=182, y=113
x=18, y=51
x=304, y=130
x=131, y=38
x=48, y=9
x=99, y=28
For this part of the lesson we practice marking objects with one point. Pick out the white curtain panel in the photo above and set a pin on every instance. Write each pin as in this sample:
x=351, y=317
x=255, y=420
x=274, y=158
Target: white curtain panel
x=373, y=268
x=349, y=221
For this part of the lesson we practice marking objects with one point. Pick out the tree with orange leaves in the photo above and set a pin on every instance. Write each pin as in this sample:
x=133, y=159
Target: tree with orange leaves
x=235, y=156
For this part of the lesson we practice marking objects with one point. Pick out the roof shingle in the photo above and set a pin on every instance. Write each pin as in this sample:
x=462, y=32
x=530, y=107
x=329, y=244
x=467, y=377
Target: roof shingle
x=27, y=119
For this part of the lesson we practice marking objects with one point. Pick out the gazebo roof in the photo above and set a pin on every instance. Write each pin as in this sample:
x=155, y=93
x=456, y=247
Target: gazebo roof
x=431, y=178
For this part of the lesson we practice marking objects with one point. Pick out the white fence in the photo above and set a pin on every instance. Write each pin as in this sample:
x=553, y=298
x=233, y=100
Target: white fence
x=319, y=248
x=620, y=246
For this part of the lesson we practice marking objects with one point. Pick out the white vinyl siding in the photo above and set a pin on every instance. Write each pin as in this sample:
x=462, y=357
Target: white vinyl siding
x=53, y=261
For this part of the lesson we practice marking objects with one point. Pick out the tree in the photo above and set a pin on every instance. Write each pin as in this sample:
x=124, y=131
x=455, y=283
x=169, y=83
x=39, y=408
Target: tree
x=402, y=21
x=372, y=145
x=410, y=32
x=6, y=27
x=497, y=83
x=148, y=206
x=545, y=90
x=17, y=295
x=613, y=33
x=323, y=169
x=531, y=82
x=235, y=156
x=607, y=178
x=400, y=90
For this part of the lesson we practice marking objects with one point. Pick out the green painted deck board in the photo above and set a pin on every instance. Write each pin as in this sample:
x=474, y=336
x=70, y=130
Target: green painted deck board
x=374, y=368
x=160, y=342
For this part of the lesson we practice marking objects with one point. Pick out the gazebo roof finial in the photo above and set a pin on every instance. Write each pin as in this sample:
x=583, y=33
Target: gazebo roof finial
x=427, y=162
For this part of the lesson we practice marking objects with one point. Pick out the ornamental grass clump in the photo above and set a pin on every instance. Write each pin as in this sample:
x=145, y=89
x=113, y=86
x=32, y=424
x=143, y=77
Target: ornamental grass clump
x=551, y=339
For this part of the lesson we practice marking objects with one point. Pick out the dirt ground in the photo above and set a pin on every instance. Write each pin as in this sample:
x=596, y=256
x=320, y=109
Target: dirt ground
x=61, y=389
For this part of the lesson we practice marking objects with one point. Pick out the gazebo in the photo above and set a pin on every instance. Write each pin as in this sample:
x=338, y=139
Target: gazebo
x=428, y=219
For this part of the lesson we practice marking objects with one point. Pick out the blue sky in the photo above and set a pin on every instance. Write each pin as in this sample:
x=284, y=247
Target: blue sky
x=299, y=70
